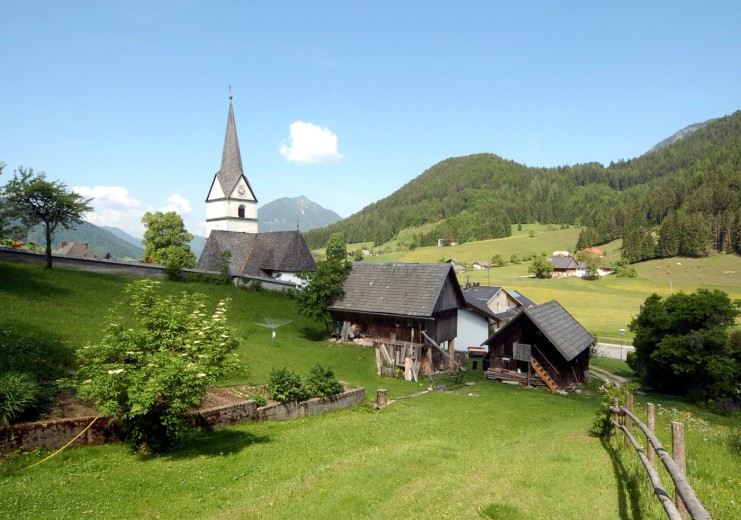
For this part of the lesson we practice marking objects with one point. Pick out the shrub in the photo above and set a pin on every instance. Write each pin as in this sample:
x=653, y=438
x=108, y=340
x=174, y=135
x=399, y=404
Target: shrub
x=259, y=399
x=18, y=393
x=151, y=369
x=285, y=386
x=321, y=381
x=602, y=425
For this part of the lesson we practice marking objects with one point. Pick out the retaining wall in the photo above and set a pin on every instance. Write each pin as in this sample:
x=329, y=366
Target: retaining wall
x=55, y=433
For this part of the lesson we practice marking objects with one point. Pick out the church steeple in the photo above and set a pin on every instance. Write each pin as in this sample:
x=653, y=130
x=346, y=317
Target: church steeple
x=231, y=204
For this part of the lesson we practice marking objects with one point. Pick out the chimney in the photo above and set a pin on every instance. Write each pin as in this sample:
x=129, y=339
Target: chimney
x=63, y=244
x=85, y=245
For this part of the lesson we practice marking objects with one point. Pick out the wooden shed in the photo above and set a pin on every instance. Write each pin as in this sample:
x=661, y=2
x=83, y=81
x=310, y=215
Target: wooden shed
x=409, y=310
x=542, y=346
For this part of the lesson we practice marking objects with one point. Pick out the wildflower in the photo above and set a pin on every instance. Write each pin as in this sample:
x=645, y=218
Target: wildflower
x=201, y=374
x=117, y=371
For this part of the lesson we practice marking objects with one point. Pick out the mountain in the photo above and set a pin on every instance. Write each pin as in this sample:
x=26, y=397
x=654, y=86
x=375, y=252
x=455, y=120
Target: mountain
x=196, y=245
x=100, y=241
x=123, y=235
x=285, y=214
x=694, y=182
x=684, y=132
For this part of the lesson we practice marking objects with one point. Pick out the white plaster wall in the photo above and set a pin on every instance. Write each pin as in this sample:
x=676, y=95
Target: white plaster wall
x=472, y=330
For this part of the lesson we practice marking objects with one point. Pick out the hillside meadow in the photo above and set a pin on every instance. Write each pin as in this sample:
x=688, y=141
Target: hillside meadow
x=489, y=450
x=602, y=306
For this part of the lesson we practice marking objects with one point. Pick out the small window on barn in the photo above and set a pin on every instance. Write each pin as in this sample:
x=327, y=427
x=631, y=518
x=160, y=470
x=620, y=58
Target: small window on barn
x=240, y=211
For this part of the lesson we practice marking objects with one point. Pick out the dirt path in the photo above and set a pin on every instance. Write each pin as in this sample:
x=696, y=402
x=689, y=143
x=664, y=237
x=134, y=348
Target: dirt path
x=608, y=376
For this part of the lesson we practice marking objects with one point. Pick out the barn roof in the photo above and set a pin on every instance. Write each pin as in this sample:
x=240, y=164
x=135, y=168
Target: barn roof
x=402, y=289
x=257, y=254
x=562, y=330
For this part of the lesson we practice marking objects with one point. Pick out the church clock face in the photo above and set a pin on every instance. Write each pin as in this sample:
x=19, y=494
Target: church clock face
x=241, y=191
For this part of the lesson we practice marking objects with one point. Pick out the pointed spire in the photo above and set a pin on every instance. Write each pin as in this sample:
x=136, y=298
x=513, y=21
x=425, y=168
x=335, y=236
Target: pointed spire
x=231, y=159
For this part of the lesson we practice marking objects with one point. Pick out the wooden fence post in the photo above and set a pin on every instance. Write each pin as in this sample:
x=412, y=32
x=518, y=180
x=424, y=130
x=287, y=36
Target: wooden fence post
x=678, y=456
x=628, y=420
x=616, y=405
x=381, y=397
x=651, y=423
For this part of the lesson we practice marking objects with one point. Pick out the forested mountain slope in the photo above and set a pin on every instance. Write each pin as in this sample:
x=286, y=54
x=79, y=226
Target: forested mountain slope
x=696, y=180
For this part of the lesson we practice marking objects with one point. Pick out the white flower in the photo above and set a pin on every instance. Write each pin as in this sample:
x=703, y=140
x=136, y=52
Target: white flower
x=201, y=374
x=117, y=371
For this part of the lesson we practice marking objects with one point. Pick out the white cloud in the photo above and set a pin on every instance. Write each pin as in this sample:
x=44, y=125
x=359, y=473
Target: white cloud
x=310, y=144
x=113, y=206
x=178, y=204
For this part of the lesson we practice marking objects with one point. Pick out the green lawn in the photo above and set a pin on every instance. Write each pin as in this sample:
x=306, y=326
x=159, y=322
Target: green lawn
x=484, y=451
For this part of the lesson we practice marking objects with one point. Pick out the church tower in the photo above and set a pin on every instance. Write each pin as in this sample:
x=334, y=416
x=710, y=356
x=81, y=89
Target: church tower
x=231, y=204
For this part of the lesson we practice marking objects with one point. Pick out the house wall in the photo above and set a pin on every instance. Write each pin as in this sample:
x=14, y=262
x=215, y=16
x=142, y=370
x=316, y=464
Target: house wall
x=473, y=330
x=449, y=298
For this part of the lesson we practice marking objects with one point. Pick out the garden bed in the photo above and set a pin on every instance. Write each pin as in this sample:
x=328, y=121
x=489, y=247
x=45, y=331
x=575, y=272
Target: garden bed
x=223, y=407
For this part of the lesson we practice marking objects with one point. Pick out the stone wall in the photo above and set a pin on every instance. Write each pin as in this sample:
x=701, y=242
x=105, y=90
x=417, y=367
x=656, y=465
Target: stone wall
x=55, y=433
x=315, y=406
x=136, y=269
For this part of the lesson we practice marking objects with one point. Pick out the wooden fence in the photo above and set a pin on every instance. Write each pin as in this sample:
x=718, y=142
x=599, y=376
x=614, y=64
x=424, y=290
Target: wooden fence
x=686, y=501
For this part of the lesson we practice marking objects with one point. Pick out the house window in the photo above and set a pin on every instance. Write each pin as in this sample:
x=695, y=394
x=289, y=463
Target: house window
x=240, y=211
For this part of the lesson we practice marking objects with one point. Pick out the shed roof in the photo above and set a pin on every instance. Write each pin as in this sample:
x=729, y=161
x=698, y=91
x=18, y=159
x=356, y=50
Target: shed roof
x=562, y=330
x=403, y=289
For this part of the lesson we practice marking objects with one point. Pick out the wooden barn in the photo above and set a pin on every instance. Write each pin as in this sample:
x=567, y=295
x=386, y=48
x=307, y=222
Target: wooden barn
x=408, y=310
x=542, y=346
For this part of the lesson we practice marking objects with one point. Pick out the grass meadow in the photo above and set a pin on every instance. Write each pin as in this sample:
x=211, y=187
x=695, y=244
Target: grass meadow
x=489, y=450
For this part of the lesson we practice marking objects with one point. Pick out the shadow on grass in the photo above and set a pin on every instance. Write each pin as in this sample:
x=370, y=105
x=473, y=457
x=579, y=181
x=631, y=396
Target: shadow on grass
x=313, y=334
x=217, y=443
x=629, y=495
x=22, y=281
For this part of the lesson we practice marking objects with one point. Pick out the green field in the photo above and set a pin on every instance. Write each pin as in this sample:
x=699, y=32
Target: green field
x=602, y=306
x=484, y=451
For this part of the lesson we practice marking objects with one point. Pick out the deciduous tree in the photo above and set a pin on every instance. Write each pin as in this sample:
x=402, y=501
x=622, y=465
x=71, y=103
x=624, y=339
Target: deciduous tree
x=33, y=200
x=541, y=267
x=682, y=344
x=324, y=285
x=166, y=241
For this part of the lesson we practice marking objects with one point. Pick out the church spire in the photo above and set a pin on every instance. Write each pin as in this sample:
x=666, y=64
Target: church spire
x=231, y=159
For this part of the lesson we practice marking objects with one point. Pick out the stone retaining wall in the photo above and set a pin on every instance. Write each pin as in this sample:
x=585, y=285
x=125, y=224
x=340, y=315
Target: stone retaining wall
x=55, y=433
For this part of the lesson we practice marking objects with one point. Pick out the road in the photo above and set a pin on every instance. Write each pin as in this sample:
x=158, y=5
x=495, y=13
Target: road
x=613, y=351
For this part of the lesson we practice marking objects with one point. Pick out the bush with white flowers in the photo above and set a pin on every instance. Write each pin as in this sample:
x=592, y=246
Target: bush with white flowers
x=155, y=362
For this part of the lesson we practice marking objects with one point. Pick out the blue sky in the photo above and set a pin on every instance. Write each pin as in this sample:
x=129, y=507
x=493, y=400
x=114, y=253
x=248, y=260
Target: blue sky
x=342, y=101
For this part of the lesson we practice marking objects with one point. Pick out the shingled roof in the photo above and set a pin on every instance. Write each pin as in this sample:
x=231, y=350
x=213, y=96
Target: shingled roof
x=562, y=330
x=231, y=159
x=257, y=254
x=399, y=289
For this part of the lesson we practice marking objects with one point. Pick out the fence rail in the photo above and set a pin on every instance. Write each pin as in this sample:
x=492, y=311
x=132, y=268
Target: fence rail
x=686, y=500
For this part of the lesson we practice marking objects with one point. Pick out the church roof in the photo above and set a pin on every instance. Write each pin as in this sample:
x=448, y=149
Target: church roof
x=231, y=159
x=257, y=254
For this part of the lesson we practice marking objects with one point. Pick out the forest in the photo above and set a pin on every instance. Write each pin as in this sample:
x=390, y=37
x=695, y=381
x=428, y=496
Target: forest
x=681, y=199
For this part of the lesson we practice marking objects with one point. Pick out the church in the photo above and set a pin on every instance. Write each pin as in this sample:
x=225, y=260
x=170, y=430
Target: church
x=231, y=223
